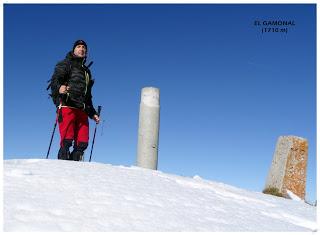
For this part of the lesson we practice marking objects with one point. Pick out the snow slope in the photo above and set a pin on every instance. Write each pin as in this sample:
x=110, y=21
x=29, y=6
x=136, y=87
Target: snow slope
x=52, y=195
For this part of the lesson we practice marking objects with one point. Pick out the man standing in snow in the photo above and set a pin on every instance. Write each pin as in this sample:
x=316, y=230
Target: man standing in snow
x=72, y=83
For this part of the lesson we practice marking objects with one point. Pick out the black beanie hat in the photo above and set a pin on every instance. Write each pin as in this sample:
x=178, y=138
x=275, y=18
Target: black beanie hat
x=79, y=42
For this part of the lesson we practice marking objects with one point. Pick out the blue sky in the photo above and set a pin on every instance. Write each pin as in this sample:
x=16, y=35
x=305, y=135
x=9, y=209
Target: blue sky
x=227, y=91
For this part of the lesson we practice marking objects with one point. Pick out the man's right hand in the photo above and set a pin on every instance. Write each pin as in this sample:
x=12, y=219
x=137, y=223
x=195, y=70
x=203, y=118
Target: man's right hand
x=63, y=89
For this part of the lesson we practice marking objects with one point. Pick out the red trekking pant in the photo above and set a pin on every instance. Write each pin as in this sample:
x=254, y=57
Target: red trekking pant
x=74, y=126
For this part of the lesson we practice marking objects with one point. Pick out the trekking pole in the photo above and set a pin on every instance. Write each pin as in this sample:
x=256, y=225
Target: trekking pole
x=54, y=128
x=58, y=117
x=94, y=135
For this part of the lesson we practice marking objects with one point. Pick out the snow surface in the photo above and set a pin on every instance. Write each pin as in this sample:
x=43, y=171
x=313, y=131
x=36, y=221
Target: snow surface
x=293, y=196
x=55, y=195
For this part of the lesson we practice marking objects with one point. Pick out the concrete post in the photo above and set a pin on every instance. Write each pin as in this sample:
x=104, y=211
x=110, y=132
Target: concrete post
x=148, y=134
x=289, y=166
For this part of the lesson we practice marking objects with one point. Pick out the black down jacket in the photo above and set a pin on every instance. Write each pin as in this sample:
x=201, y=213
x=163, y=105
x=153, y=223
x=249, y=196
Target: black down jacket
x=72, y=72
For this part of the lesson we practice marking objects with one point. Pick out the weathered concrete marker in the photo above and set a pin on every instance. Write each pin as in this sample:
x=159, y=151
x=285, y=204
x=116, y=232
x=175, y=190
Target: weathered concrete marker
x=148, y=134
x=289, y=166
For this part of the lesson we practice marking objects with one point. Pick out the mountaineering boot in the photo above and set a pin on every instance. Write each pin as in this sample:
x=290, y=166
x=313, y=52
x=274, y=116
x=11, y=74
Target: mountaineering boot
x=78, y=151
x=76, y=155
x=64, y=153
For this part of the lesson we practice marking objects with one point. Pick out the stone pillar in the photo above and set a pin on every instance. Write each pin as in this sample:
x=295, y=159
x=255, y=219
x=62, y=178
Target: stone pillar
x=148, y=134
x=289, y=166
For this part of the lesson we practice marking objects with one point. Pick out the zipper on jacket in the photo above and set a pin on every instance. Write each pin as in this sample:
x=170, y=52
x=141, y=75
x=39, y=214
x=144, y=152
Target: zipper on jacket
x=67, y=97
x=86, y=75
